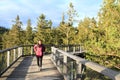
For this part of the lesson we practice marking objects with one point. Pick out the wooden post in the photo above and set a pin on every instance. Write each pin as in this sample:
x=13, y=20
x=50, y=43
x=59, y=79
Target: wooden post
x=58, y=60
x=53, y=53
x=8, y=58
x=14, y=54
x=31, y=50
x=72, y=73
x=22, y=52
x=68, y=48
x=79, y=71
x=65, y=67
x=65, y=49
x=73, y=49
x=80, y=49
x=18, y=51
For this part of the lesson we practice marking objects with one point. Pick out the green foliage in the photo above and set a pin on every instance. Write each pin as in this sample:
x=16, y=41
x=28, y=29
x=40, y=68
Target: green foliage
x=14, y=36
x=72, y=14
x=43, y=30
x=102, y=37
x=66, y=29
x=109, y=18
x=29, y=33
x=99, y=37
x=56, y=37
x=2, y=31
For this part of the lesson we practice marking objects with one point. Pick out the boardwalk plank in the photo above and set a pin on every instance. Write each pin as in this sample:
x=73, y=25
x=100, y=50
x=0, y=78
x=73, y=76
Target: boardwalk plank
x=26, y=69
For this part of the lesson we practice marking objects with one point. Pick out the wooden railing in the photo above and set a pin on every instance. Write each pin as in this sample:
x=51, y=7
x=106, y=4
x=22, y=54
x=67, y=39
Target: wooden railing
x=11, y=55
x=73, y=67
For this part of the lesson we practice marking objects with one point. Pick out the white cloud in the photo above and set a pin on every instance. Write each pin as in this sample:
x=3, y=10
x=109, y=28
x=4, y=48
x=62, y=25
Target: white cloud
x=53, y=9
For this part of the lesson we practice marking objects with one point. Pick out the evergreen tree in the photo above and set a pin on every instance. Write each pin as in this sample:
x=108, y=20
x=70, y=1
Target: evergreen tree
x=109, y=18
x=13, y=37
x=3, y=30
x=83, y=30
x=29, y=33
x=72, y=14
x=43, y=30
x=56, y=37
x=66, y=27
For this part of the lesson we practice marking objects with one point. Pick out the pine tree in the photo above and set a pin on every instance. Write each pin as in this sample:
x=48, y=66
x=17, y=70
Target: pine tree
x=72, y=14
x=13, y=37
x=29, y=33
x=3, y=30
x=56, y=36
x=66, y=27
x=43, y=30
x=109, y=18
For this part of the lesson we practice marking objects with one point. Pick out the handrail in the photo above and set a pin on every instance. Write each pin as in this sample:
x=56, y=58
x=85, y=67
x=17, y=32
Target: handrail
x=19, y=51
x=1, y=51
x=94, y=66
x=9, y=56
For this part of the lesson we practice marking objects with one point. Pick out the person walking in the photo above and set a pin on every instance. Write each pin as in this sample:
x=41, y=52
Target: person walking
x=39, y=49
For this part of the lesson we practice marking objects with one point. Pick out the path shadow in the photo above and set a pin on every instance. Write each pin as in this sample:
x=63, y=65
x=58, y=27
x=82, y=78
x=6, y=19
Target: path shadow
x=21, y=70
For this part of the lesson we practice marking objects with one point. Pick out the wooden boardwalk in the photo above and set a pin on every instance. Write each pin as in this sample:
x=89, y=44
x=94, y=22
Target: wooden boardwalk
x=26, y=69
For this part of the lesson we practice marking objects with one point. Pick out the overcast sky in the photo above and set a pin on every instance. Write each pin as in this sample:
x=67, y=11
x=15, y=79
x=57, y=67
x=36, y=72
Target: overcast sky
x=53, y=10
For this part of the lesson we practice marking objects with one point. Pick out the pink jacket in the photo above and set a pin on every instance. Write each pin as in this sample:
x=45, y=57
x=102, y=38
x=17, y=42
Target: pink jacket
x=39, y=49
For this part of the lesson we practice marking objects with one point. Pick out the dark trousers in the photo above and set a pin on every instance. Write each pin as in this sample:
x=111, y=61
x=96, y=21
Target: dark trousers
x=39, y=60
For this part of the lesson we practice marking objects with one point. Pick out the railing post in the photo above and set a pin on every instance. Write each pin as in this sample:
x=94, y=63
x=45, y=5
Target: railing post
x=31, y=50
x=8, y=58
x=22, y=53
x=80, y=49
x=68, y=48
x=79, y=71
x=65, y=49
x=18, y=51
x=73, y=49
x=14, y=54
x=53, y=53
x=58, y=60
x=65, y=67
x=71, y=73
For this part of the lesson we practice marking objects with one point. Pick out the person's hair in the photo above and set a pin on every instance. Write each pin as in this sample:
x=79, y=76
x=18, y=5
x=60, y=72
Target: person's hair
x=39, y=40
